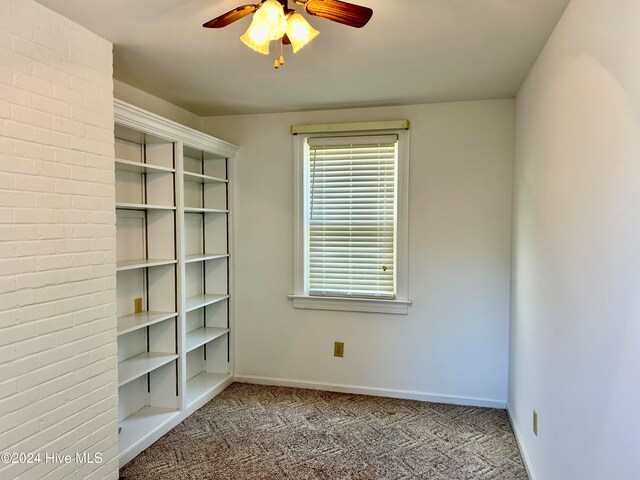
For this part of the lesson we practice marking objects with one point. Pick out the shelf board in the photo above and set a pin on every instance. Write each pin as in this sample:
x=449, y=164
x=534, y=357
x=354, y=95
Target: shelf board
x=142, y=263
x=201, y=257
x=142, y=206
x=204, y=335
x=204, y=210
x=141, y=424
x=135, y=367
x=136, y=321
x=202, y=384
x=139, y=167
x=200, y=178
x=199, y=301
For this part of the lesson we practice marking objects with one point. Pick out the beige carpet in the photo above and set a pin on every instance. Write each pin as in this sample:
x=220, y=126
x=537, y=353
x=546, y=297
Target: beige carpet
x=256, y=432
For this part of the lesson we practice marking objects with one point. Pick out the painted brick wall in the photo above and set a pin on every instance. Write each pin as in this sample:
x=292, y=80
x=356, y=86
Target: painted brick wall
x=58, y=367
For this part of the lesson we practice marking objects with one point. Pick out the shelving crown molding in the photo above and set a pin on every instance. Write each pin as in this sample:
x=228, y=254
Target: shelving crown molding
x=134, y=117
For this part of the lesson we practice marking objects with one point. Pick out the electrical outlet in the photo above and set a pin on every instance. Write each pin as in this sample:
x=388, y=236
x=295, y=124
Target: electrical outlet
x=535, y=423
x=137, y=305
x=338, y=349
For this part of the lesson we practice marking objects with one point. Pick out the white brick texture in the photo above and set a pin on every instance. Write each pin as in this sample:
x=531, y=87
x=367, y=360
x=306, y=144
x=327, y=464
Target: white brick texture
x=58, y=366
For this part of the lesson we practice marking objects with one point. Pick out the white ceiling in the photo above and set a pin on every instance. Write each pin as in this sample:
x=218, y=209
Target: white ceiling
x=412, y=51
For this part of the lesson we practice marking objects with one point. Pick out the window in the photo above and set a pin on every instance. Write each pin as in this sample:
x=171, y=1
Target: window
x=350, y=216
x=351, y=222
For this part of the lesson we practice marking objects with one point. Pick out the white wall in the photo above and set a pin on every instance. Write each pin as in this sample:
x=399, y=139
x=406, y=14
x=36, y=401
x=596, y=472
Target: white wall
x=154, y=104
x=575, y=331
x=454, y=341
x=58, y=390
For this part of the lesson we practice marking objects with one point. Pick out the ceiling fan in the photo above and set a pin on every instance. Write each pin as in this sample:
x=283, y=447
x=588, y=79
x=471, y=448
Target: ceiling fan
x=274, y=20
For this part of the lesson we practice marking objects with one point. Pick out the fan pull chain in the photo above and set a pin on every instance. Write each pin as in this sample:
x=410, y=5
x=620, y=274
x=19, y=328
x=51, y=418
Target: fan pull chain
x=277, y=63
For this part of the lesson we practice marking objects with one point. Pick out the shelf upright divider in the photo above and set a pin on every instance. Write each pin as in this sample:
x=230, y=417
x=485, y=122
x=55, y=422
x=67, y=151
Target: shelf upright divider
x=180, y=243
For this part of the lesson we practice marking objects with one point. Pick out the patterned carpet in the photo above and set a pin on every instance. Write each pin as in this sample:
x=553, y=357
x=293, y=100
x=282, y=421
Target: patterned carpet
x=257, y=432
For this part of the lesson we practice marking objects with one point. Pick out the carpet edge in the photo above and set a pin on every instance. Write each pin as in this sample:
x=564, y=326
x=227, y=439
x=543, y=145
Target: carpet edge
x=376, y=392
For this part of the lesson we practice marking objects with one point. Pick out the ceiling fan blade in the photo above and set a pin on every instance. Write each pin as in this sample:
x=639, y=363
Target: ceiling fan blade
x=338, y=11
x=230, y=17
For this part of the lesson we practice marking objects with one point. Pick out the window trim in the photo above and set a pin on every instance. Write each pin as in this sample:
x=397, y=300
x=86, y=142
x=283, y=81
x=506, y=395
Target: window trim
x=300, y=297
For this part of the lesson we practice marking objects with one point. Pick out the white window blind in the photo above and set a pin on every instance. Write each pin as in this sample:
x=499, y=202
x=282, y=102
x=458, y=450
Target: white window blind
x=351, y=216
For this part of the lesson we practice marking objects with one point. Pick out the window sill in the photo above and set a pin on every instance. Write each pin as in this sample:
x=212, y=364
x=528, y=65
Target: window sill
x=368, y=305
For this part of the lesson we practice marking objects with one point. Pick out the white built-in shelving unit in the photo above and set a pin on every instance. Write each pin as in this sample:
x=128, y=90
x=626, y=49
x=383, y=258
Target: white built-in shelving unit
x=174, y=267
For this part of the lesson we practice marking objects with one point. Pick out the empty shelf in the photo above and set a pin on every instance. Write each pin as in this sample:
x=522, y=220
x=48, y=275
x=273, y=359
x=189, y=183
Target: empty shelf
x=134, y=367
x=142, y=206
x=204, y=335
x=143, y=319
x=139, y=167
x=201, y=257
x=204, y=210
x=199, y=301
x=202, y=384
x=200, y=178
x=141, y=424
x=142, y=263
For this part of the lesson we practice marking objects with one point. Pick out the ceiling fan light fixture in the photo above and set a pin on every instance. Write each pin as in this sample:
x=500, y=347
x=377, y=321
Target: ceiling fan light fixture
x=257, y=37
x=273, y=20
x=271, y=15
x=299, y=31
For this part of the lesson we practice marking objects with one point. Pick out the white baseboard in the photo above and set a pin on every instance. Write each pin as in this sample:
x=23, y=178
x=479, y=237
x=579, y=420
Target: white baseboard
x=377, y=392
x=521, y=447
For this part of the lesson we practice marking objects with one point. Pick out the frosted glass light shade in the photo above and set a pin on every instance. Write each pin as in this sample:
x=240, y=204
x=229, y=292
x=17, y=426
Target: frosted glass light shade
x=257, y=37
x=271, y=15
x=299, y=31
